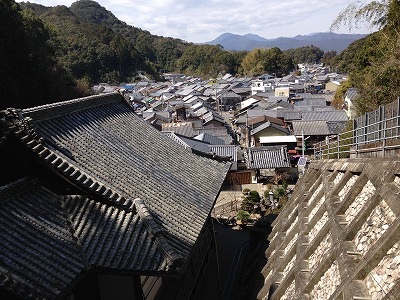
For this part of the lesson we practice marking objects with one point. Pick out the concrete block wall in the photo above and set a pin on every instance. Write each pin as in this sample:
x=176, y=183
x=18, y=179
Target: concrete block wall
x=339, y=235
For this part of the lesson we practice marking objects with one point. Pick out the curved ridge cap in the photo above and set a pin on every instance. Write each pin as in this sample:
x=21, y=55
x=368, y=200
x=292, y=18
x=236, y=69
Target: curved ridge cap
x=25, y=180
x=18, y=186
x=62, y=165
x=175, y=260
x=52, y=110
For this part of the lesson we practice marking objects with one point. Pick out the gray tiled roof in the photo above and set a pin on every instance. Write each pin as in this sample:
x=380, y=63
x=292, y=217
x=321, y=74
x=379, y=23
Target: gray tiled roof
x=267, y=125
x=208, y=138
x=47, y=240
x=289, y=114
x=100, y=145
x=310, y=128
x=213, y=116
x=262, y=112
x=334, y=115
x=183, y=128
x=219, y=132
x=321, y=102
x=189, y=143
x=264, y=118
x=267, y=158
x=225, y=151
x=37, y=249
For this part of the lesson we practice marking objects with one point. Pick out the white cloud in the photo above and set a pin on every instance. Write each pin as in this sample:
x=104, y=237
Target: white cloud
x=200, y=21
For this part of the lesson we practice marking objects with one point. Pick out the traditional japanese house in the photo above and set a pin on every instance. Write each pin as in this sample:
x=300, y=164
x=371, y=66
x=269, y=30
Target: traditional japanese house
x=98, y=204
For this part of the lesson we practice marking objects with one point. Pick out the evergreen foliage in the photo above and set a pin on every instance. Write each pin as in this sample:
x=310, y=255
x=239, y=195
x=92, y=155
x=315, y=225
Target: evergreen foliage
x=57, y=53
x=250, y=198
x=308, y=54
x=29, y=71
x=373, y=63
x=261, y=61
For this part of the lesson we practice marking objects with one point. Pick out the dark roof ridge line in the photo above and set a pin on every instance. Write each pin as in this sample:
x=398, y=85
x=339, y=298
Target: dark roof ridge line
x=72, y=229
x=14, y=187
x=74, y=175
x=174, y=259
x=53, y=110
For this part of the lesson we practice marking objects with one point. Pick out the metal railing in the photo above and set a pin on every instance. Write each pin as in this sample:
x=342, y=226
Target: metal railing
x=375, y=132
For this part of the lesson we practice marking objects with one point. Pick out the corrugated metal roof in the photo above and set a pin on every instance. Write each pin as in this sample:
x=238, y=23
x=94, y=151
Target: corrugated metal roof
x=310, y=128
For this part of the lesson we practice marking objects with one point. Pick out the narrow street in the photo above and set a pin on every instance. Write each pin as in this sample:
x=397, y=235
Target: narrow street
x=232, y=274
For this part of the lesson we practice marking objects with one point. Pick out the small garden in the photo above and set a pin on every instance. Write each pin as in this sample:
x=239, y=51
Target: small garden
x=254, y=205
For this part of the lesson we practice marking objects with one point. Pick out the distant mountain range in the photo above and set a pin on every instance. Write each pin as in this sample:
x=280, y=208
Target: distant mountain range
x=326, y=41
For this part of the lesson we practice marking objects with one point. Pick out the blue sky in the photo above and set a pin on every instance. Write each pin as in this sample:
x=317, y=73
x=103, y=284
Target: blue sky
x=204, y=20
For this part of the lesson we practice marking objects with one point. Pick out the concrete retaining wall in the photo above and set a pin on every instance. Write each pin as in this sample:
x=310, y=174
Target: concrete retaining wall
x=338, y=236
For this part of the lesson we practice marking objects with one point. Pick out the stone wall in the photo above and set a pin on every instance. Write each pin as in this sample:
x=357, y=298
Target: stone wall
x=338, y=236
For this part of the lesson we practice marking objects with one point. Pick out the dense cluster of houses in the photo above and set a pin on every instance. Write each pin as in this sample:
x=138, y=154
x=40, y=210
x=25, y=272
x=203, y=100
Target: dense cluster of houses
x=110, y=196
x=261, y=123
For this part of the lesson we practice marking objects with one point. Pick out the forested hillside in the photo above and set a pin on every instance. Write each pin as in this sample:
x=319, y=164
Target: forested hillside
x=55, y=53
x=30, y=73
x=373, y=63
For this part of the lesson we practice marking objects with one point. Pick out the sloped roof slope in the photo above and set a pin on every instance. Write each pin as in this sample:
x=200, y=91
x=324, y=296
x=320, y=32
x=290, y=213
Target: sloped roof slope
x=210, y=139
x=267, y=157
x=48, y=240
x=182, y=128
x=314, y=127
x=189, y=143
x=43, y=251
x=102, y=147
x=333, y=115
x=266, y=125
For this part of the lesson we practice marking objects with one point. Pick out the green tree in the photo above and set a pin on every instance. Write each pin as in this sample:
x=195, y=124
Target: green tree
x=373, y=63
x=374, y=14
x=29, y=71
x=307, y=54
x=206, y=61
x=328, y=58
x=260, y=61
x=250, y=198
x=338, y=99
x=243, y=216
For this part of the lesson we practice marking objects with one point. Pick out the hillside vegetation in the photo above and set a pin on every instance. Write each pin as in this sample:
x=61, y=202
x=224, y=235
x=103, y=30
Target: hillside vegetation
x=55, y=53
x=373, y=63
